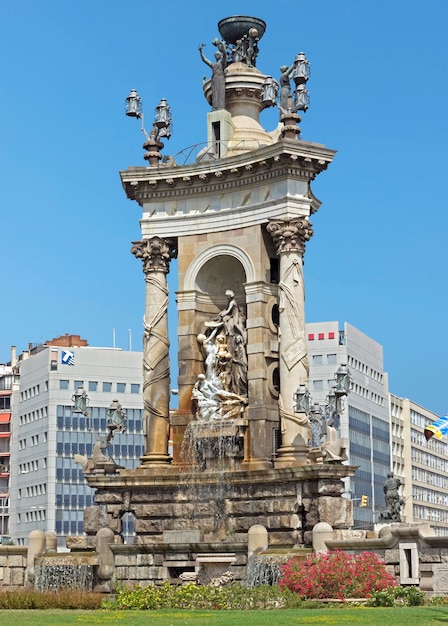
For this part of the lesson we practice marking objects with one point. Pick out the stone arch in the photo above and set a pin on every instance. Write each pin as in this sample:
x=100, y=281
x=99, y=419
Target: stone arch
x=232, y=262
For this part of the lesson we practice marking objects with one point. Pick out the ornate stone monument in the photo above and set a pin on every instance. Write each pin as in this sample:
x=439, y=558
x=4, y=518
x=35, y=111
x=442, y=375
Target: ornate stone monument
x=238, y=219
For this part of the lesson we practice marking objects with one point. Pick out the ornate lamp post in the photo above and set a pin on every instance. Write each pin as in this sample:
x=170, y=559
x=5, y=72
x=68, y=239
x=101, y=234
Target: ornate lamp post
x=161, y=127
x=322, y=418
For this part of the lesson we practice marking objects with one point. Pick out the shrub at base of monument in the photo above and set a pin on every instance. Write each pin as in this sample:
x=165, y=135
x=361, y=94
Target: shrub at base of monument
x=336, y=575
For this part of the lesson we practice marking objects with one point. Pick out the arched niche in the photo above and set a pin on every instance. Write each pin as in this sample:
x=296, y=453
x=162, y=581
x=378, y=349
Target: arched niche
x=219, y=274
x=219, y=268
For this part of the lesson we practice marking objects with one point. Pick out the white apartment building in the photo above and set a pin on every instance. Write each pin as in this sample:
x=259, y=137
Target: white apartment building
x=421, y=465
x=364, y=421
x=48, y=489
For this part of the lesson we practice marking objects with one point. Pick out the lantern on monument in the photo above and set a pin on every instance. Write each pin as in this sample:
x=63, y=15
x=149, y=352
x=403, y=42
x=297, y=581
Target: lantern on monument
x=116, y=417
x=302, y=399
x=269, y=91
x=134, y=104
x=301, y=98
x=343, y=381
x=80, y=401
x=162, y=119
x=301, y=69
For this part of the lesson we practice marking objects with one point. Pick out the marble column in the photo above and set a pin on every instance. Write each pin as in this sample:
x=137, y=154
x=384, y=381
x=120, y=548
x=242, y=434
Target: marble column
x=156, y=254
x=289, y=237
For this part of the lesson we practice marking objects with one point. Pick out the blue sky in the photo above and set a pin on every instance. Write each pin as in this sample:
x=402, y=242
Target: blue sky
x=378, y=96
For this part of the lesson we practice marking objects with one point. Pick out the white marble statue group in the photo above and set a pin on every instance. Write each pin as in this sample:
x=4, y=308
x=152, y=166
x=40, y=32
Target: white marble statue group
x=221, y=392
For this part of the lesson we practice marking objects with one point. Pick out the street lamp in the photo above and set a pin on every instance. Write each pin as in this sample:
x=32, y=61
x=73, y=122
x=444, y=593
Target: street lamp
x=301, y=98
x=343, y=381
x=162, y=119
x=302, y=398
x=162, y=125
x=80, y=401
x=301, y=69
x=321, y=416
x=116, y=420
x=134, y=105
x=300, y=75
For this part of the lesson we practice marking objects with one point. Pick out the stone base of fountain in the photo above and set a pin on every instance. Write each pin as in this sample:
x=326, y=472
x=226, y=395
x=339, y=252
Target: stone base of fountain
x=181, y=516
x=216, y=445
x=54, y=572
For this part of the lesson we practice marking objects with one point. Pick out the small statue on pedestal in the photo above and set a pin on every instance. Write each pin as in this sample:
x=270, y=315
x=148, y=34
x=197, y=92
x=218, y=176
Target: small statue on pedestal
x=393, y=500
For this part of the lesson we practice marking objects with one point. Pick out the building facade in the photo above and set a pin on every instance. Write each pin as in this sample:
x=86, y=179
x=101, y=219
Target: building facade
x=48, y=489
x=421, y=465
x=364, y=421
x=7, y=381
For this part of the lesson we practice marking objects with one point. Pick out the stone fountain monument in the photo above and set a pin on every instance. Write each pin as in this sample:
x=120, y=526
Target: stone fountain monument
x=238, y=220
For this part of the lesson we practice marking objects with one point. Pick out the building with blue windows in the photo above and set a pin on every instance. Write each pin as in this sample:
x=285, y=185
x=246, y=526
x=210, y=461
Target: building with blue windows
x=48, y=488
x=421, y=465
x=364, y=421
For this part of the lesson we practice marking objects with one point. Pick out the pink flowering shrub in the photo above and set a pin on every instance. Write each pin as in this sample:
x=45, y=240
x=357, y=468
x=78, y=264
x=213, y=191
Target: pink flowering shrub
x=336, y=575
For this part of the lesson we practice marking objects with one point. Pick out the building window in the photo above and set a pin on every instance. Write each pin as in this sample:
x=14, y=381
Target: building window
x=5, y=403
x=121, y=387
x=317, y=359
x=331, y=359
x=63, y=384
x=107, y=387
x=311, y=337
x=93, y=385
x=318, y=385
x=135, y=388
x=79, y=384
x=330, y=335
x=321, y=336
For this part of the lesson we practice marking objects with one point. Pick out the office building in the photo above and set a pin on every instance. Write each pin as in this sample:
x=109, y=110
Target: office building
x=48, y=489
x=364, y=421
x=421, y=465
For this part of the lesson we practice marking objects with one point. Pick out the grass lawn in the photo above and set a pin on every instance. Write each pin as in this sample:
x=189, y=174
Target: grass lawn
x=402, y=616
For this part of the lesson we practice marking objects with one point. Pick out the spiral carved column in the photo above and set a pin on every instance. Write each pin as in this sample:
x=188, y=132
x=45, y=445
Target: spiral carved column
x=156, y=254
x=290, y=237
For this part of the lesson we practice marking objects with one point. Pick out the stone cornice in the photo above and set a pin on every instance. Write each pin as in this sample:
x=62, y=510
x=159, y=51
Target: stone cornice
x=144, y=478
x=284, y=159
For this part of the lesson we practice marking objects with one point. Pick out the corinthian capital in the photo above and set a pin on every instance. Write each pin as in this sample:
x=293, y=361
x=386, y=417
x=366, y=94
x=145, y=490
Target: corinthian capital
x=290, y=235
x=156, y=253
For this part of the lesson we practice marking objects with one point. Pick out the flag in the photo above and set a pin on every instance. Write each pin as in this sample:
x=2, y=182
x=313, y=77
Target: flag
x=67, y=357
x=438, y=429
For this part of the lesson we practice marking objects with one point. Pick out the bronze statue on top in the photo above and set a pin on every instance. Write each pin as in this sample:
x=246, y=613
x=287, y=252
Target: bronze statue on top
x=218, y=76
